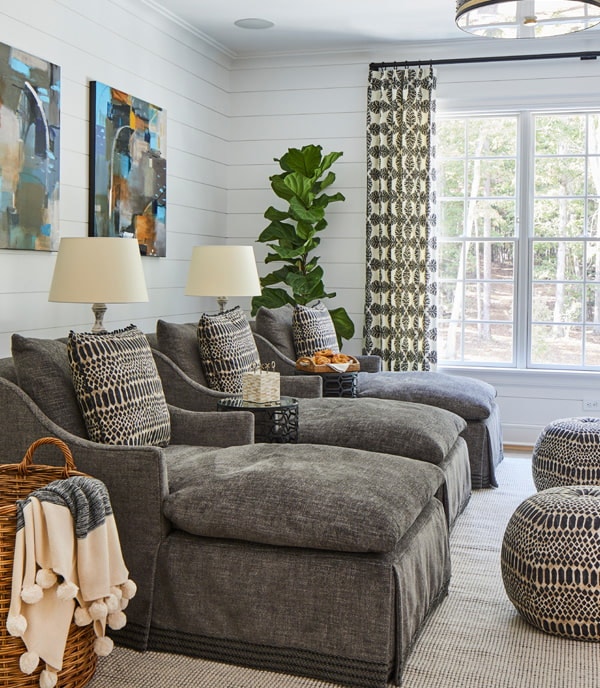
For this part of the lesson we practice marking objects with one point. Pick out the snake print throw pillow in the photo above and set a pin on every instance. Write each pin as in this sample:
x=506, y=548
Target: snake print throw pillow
x=227, y=349
x=313, y=330
x=118, y=388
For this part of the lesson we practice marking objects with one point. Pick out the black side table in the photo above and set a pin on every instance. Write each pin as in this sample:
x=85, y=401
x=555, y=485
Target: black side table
x=275, y=421
x=336, y=384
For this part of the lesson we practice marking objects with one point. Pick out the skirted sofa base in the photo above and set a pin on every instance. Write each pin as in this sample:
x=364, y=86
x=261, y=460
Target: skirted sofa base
x=334, y=560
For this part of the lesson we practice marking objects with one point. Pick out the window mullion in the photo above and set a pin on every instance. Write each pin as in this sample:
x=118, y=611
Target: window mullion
x=525, y=157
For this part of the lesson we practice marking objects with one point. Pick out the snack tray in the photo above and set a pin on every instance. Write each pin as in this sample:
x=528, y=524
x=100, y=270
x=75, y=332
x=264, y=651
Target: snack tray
x=307, y=365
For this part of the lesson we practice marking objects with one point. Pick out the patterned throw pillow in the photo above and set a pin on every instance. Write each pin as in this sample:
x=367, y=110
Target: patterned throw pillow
x=227, y=349
x=313, y=330
x=118, y=388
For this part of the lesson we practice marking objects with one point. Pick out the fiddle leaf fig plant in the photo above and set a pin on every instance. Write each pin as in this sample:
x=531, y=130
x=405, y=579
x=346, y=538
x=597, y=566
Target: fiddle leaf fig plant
x=292, y=234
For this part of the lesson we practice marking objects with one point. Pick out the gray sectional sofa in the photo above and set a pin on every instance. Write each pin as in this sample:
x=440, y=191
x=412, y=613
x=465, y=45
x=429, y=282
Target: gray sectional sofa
x=319, y=560
x=417, y=431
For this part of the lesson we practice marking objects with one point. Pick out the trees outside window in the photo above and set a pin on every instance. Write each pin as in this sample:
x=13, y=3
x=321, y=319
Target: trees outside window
x=519, y=240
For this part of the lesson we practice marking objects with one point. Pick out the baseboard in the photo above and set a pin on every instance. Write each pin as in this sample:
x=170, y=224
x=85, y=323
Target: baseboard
x=518, y=447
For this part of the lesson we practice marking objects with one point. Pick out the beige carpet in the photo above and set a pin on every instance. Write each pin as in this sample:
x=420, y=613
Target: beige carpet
x=475, y=639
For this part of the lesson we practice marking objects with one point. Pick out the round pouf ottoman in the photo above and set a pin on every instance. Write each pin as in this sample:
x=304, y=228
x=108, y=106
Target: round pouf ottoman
x=550, y=561
x=567, y=453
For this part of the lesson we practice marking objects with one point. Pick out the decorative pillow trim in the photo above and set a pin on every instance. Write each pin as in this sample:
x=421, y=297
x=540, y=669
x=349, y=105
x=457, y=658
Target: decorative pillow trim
x=313, y=330
x=227, y=349
x=118, y=387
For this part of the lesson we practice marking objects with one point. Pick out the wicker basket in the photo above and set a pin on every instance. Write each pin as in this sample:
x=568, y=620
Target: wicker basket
x=17, y=480
x=260, y=387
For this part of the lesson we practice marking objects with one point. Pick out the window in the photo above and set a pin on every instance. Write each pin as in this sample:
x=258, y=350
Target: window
x=519, y=240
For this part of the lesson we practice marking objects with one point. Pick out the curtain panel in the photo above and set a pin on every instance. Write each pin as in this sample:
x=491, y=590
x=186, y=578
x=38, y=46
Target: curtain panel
x=401, y=288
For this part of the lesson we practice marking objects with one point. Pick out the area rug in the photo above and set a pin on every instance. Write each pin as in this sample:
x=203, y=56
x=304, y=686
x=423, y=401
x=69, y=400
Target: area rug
x=475, y=639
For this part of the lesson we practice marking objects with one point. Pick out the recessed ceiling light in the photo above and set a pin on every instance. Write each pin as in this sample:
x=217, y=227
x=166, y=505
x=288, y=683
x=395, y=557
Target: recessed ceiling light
x=254, y=23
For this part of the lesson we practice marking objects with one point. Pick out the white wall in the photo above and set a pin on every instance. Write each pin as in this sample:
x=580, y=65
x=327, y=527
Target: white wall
x=284, y=101
x=131, y=47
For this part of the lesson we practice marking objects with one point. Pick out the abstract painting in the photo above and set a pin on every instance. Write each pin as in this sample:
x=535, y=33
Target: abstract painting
x=29, y=151
x=128, y=169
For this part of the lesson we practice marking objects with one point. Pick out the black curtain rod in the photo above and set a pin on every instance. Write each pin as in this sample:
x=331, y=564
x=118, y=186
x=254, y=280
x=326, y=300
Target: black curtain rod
x=589, y=55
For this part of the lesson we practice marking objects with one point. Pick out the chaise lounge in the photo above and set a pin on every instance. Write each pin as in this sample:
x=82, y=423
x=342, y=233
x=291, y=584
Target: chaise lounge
x=416, y=431
x=318, y=560
x=471, y=399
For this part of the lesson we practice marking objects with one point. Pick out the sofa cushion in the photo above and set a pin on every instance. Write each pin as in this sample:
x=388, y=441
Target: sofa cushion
x=417, y=431
x=227, y=349
x=180, y=343
x=118, y=387
x=43, y=372
x=313, y=330
x=275, y=325
x=331, y=498
x=468, y=397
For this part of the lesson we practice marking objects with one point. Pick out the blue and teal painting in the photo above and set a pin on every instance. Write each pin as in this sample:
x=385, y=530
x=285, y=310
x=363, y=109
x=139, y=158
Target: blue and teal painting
x=29, y=151
x=128, y=169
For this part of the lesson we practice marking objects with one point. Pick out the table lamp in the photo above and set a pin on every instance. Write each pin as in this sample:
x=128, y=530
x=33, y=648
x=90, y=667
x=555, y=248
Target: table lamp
x=223, y=271
x=98, y=270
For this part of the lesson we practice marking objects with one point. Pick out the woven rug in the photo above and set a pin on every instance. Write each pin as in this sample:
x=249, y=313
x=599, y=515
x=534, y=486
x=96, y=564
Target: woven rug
x=475, y=639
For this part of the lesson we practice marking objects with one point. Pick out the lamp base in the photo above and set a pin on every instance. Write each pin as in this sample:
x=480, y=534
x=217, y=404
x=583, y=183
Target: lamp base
x=222, y=301
x=99, y=311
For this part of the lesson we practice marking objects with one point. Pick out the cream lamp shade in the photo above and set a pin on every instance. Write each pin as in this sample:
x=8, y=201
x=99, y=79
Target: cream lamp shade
x=526, y=18
x=98, y=270
x=223, y=271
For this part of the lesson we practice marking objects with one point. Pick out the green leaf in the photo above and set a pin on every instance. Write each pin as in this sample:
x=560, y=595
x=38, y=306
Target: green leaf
x=328, y=161
x=277, y=230
x=275, y=215
x=304, y=161
x=300, y=186
x=287, y=253
x=299, y=212
x=328, y=181
x=344, y=327
x=271, y=298
x=304, y=230
x=280, y=188
x=324, y=200
x=275, y=277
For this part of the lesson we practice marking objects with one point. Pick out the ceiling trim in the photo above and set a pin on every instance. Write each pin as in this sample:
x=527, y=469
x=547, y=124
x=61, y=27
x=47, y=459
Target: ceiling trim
x=176, y=19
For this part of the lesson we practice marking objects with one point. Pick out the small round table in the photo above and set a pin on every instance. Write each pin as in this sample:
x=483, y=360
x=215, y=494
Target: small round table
x=336, y=384
x=274, y=421
x=567, y=452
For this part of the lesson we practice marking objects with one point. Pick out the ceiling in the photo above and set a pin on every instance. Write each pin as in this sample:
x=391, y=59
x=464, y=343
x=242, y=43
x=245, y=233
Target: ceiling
x=315, y=25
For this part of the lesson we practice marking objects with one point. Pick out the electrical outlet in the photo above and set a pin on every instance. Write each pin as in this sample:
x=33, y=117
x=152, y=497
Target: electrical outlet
x=591, y=404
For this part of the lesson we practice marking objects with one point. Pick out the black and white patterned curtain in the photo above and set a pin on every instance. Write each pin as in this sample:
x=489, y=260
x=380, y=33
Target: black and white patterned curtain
x=400, y=304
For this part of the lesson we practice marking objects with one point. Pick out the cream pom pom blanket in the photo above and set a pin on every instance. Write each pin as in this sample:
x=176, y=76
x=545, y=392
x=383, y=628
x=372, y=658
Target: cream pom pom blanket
x=67, y=565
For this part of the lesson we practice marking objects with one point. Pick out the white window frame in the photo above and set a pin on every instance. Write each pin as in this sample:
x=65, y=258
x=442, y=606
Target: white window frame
x=522, y=282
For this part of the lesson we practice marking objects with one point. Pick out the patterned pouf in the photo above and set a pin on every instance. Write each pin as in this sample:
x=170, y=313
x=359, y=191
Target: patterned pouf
x=550, y=561
x=567, y=453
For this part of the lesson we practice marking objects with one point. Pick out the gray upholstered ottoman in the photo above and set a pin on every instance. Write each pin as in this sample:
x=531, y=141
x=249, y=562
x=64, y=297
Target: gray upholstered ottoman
x=567, y=452
x=550, y=561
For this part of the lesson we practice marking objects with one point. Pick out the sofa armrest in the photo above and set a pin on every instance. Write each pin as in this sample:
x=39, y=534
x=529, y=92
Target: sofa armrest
x=136, y=479
x=180, y=390
x=301, y=386
x=370, y=363
x=211, y=428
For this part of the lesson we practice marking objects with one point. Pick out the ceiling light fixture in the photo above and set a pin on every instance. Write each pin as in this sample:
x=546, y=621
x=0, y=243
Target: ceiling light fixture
x=254, y=23
x=526, y=18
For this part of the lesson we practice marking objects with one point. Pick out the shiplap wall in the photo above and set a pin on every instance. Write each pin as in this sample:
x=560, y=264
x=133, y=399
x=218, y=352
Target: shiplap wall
x=128, y=45
x=227, y=119
x=282, y=101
